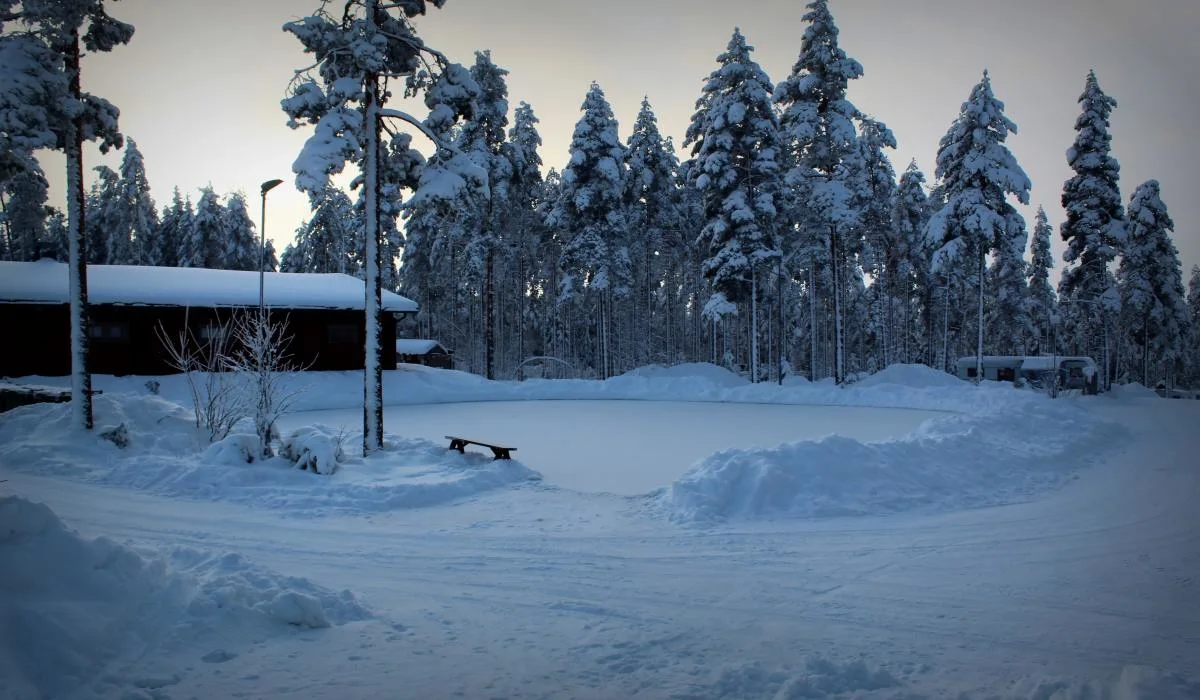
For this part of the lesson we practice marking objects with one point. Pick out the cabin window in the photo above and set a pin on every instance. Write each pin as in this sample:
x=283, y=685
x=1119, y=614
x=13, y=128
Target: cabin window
x=339, y=333
x=108, y=332
x=1006, y=374
x=971, y=373
x=212, y=332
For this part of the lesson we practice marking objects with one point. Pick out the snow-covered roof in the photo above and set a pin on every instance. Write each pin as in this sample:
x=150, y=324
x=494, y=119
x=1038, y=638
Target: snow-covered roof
x=46, y=282
x=415, y=346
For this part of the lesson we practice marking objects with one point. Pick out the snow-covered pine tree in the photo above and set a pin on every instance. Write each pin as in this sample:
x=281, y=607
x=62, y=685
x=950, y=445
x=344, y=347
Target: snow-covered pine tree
x=734, y=135
x=134, y=239
x=589, y=216
x=817, y=127
x=239, y=241
x=1093, y=229
x=357, y=52
x=910, y=215
x=652, y=168
x=203, y=246
x=57, y=114
x=175, y=226
x=1043, y=307
x=23, y=212
x=1154, y=310
x=978, y=172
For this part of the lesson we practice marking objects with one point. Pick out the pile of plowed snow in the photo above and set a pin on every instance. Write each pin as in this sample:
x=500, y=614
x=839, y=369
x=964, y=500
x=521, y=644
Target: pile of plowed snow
x=167, y=455
x=70, y=605
x=1009, y=451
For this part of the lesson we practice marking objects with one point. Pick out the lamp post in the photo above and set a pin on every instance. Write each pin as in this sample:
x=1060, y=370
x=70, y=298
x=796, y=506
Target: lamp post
x=262, y=243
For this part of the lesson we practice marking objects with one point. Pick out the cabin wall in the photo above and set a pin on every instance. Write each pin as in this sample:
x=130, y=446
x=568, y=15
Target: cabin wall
x=125, y=340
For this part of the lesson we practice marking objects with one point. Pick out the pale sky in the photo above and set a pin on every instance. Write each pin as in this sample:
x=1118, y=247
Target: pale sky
x=199, y=86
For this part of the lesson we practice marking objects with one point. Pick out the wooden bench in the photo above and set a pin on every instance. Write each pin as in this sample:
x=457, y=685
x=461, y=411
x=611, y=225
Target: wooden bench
x=498, y=452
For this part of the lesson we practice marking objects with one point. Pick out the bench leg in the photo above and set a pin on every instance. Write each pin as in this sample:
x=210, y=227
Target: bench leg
x=458, y=445
x=499, y=453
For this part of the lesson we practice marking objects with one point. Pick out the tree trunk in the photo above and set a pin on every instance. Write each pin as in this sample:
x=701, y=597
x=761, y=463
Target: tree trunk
x=81, y=376
x=489, y=313
x=373, y=367
x=753, y=326
x=812, y=320
x=979, y=330
x=839, y=347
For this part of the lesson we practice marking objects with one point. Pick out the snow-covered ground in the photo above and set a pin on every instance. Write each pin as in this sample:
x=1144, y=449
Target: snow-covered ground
x=665, y=534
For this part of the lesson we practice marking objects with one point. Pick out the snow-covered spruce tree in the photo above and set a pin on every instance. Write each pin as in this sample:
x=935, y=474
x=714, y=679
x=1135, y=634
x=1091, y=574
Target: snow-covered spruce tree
x=1093, y=229
x=101, y=213
x=358, y=49
x=59, y=115
x=23, y=214
x=817, y=127
x=589, y=216
x=482, y=138
x=1043, y=307
x=1154, y=310
x=734, y=136
x=331, y=240
x=978, y=173
x=203, y=244
x=1008, y=308
x=56, y=244
x=650, y=197
x=239, y=241
x=1193, y=300
x=524, y=228
x=910, y=215
x=874, y=188
x=175, y=225
x=135, y=238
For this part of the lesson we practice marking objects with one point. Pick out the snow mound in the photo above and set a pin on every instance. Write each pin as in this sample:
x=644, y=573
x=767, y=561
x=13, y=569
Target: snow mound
x=1133, y=390
x=819, y=678
x=168, y=456
x=705, y=371
x=69, y=605
x=961, y=461
x=913, y=376
x=314, y=447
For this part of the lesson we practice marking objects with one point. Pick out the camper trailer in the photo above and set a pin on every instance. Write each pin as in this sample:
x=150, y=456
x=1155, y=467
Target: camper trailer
x=1063, y=372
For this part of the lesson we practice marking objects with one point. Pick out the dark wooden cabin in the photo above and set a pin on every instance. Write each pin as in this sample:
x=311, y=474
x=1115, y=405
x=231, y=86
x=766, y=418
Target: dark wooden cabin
x=128, y=304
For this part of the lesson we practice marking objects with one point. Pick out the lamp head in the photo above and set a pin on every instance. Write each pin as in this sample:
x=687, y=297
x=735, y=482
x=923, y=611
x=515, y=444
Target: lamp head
x=269, y=184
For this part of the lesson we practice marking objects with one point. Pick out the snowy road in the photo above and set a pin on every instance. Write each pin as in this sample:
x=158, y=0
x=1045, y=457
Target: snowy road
x=542, y=592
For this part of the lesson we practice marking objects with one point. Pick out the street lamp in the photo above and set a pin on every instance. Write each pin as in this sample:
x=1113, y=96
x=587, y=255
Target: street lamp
x=262, y=244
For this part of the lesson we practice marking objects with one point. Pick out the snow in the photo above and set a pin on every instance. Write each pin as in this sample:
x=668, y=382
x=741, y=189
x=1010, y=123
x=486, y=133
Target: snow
x=72, y=604
x=932, y=539
x=45, y=282
x=414, y=346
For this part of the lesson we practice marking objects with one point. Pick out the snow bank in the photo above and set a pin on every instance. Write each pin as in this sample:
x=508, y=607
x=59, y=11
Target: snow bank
x=911, y=376
x=70, y=605
x=985, y=457
x=818, y=678
x=904, y=386
x=168, y=456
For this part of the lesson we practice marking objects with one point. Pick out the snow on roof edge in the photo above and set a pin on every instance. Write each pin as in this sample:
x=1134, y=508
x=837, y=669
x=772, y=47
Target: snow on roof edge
x=46, y=282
